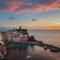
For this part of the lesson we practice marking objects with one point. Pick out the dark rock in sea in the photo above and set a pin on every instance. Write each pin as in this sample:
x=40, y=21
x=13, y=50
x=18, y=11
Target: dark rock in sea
x=52, y=48
x=56, y=49
x=32, y=39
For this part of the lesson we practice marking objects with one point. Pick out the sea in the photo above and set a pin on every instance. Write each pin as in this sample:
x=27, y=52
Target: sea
x=47, y=36
x=37, y=52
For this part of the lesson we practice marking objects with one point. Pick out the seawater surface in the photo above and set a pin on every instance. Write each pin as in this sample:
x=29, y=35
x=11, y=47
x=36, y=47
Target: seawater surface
x=47, y=36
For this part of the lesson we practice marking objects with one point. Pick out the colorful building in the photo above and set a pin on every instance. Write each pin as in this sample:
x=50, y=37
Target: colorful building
x=3, y=32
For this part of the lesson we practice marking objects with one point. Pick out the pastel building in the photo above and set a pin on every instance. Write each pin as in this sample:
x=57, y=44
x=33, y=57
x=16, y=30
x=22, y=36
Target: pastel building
x=2, y=33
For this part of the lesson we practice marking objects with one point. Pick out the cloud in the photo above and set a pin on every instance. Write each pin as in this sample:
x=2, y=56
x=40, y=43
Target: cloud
x=46, y=6
x=14, y=5
x=28, y=6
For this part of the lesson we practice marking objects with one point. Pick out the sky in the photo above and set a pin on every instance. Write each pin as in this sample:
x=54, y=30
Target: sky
x=30, y=14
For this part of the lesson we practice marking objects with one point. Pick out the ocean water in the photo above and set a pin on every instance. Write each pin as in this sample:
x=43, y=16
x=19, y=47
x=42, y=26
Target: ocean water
x=47, y=36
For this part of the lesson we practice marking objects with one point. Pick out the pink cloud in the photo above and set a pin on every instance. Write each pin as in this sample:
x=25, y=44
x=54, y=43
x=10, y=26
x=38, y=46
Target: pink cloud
x=24, y=7
x=46, y=6
x=11, y=7
x=18, y=7
x=24, y=11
